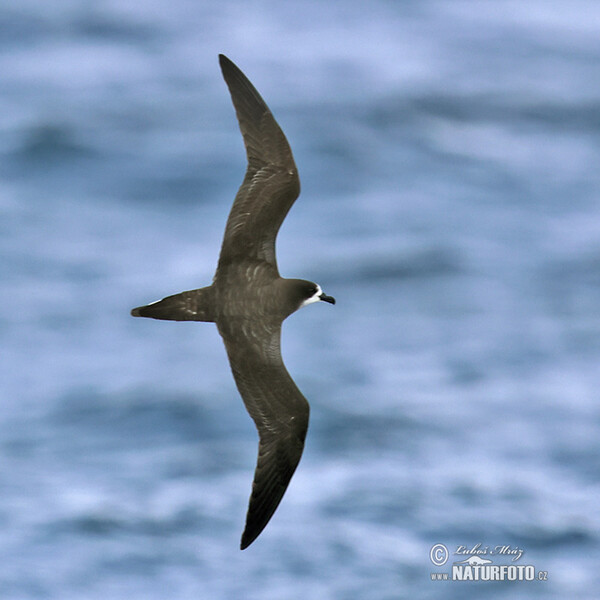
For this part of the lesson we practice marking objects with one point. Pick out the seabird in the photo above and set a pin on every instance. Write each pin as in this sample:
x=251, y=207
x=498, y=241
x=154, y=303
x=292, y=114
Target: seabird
x=248, y=300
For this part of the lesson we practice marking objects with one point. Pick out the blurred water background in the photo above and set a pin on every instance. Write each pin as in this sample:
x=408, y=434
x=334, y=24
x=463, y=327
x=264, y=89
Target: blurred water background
x=449, y=155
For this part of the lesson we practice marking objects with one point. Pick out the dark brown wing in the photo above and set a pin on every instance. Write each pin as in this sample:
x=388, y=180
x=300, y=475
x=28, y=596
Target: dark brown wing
x=271, y=184
x=278, y=408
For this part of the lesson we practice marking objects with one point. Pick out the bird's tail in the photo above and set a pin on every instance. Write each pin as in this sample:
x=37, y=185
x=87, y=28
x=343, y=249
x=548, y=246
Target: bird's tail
x=195, y=305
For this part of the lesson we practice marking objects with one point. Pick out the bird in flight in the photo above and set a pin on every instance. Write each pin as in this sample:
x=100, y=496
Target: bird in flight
x=248, y=300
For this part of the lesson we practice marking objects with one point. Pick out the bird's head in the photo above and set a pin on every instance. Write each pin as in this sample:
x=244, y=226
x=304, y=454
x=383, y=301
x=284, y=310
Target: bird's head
x=314, y=293
x=297, y=293
x=310, y=292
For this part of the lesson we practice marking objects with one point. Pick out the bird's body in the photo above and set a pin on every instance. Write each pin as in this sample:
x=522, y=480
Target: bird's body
x=248, y=300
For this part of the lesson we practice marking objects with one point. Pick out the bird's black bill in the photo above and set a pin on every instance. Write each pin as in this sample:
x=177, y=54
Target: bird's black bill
x=327, y=298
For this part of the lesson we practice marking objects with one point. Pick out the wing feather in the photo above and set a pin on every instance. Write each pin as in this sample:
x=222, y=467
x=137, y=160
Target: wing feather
x=278, y=409
x=271, y=184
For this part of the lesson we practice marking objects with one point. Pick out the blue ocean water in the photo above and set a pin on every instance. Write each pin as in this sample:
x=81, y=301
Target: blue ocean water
x=449, y=155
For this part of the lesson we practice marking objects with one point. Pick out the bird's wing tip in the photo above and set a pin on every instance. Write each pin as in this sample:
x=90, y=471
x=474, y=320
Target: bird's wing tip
x=248, y=538
x=224, y=61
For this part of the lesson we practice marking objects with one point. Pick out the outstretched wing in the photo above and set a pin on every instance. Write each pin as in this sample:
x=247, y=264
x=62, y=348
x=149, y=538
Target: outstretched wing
x=271, y=184
x=278, y=408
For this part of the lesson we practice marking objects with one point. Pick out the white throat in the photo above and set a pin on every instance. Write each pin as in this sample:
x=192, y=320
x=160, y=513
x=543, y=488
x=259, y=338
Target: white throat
x=314, y=298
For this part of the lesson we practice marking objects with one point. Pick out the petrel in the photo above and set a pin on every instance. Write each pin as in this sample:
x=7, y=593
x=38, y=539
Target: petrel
x=248, y=300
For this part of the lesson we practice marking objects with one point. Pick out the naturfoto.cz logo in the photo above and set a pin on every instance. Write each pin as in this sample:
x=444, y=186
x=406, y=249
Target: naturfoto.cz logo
x=476, y=563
